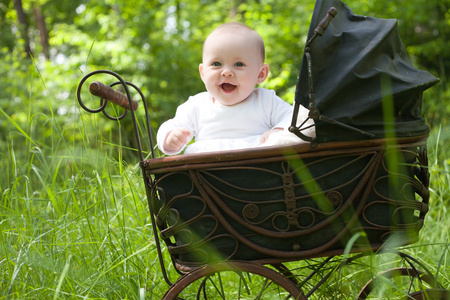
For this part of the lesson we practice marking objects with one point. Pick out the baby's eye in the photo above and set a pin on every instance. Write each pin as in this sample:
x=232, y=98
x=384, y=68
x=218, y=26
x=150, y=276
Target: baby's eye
x=216, y=64
x=239, y=64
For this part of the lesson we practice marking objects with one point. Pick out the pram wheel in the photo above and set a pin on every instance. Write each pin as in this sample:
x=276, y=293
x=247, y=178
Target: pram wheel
x=234, y=280
x=431, y=294
x=416, y=284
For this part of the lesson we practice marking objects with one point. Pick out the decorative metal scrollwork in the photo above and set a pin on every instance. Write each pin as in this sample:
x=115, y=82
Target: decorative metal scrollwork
x=104, y=102
x=120, y=99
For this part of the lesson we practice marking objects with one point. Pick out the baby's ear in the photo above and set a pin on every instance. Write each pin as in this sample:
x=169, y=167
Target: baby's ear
x=263, y=73
x=200, y=70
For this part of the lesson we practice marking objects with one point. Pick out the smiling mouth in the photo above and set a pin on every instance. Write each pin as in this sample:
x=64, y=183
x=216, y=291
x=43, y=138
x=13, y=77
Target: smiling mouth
x=228, y=87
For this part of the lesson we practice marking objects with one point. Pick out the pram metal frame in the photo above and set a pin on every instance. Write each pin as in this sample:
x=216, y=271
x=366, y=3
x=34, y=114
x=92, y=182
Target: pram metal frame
x=253, y=254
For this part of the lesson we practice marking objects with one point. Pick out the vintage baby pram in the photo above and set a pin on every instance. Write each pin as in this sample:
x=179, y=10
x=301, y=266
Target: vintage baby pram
x=359, y=187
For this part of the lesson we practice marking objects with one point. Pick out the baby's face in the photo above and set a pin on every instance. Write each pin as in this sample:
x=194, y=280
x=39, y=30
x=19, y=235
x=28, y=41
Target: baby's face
x=232, y=66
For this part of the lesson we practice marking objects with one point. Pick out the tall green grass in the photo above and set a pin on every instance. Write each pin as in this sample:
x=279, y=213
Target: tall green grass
x=74, y=220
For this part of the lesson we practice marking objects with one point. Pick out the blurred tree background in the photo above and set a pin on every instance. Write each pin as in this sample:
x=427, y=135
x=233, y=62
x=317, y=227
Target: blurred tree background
x=46, y=46
x=70, y=193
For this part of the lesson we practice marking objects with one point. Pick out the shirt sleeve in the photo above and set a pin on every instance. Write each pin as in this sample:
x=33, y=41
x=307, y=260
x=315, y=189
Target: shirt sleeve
x=184, y=118
x=281, y=113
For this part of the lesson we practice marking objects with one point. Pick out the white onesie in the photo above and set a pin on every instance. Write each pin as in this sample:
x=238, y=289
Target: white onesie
x=218, y=127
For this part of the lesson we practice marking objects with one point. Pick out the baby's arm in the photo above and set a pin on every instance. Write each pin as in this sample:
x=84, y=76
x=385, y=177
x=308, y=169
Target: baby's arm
x=266, y=134
x=176, y=139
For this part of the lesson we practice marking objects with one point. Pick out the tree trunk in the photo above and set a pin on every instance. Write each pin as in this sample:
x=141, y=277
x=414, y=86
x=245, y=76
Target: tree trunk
x=42, y=27
x=23, y=25
x=234, y=8
x=179, y=29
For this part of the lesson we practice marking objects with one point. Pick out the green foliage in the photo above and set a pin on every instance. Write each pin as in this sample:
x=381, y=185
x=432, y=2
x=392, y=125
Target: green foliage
x=74, y=221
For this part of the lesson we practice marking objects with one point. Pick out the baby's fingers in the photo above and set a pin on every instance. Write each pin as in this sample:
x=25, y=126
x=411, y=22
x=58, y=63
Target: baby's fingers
x=175, y=140
x=183, y=134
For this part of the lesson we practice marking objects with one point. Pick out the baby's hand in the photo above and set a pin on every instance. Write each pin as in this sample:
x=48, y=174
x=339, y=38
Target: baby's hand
x=266, y=134
x=176, y=139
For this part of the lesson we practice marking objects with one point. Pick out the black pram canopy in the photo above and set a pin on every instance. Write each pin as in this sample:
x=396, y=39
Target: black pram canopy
x=358, y=65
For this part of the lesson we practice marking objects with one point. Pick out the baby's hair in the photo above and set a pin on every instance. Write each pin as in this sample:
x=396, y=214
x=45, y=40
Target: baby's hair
x=239, y=26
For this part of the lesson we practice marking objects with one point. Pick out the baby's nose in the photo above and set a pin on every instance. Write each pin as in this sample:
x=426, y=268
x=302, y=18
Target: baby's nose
x=227, y=72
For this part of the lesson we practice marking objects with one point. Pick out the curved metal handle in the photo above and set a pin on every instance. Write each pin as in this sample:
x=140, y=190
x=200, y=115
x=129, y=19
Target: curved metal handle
x=106, y=92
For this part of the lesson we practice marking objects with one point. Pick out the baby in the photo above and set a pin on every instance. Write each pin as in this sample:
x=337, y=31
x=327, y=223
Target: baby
x=232, y=113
